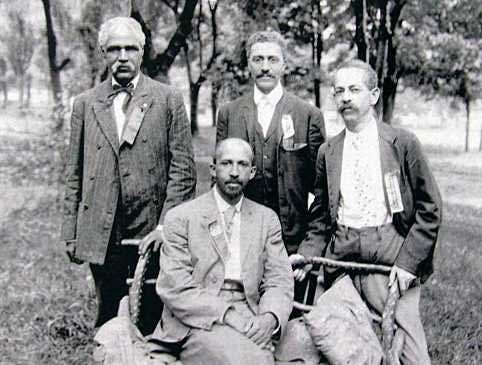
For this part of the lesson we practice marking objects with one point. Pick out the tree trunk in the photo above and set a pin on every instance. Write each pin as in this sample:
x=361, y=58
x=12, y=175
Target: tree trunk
x=157, y=66
x=52, y=55
x=360, y=37
x=214, y=102
x=194, y=99
x=317, y=49
x=467, y=123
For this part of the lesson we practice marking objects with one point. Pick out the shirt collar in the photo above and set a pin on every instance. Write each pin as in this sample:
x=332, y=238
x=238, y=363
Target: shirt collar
x=273, y=96
x=222, y=204
x=368, y=132
x=134, y=81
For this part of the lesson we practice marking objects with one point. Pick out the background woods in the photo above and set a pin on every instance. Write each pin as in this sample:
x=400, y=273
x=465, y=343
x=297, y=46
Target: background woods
x=426, y=53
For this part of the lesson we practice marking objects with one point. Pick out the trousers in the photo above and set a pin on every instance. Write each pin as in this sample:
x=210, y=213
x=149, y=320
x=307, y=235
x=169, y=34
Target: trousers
x=222, y=345
x=380, y=245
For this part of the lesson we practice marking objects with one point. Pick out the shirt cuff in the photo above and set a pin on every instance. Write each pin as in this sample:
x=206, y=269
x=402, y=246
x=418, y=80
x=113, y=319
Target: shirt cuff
x=278, y=327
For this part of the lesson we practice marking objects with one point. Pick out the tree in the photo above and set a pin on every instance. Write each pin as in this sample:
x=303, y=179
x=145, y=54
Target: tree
x=442, y=49
x=20, y=48
x=196, y=48
x=54, y=67
x=155, y=64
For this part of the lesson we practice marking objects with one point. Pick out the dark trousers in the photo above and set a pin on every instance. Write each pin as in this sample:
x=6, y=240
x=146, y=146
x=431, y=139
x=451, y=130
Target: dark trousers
x=110, y=280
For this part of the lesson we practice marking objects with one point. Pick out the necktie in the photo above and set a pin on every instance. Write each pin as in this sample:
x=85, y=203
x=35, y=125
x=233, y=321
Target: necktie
x=128, y=89
x=228, y=220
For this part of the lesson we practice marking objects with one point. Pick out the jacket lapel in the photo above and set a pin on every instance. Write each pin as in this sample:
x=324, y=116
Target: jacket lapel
x=213, y=225
x=105, y=114
x=249, y=116
x=249, y=231
x=334, y=159
x=139, y=105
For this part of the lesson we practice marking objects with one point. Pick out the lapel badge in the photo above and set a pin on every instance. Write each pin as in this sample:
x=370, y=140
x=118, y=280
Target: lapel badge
x=287, y=126
x=215, y=229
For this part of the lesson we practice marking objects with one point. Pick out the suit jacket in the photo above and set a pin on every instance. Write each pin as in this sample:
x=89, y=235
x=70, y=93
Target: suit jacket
x=418, y=223
x=295, y=167
x=192, y=260
x=152, y=167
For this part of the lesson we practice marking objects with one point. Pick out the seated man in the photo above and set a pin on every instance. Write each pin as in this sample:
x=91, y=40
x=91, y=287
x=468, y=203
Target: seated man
x=225, y=278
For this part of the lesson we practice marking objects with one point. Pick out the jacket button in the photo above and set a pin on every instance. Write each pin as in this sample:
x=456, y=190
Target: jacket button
x=99, y=146
x=214, y=280
x=144, y=139
x=92, y=177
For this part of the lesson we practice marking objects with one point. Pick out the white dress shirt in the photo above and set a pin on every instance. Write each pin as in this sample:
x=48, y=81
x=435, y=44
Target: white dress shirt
x=266, y=104
x=362, y=197
x=120, y=117
x=233, y=263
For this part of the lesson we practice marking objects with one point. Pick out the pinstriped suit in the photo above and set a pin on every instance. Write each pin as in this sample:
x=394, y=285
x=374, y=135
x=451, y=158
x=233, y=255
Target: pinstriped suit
x=118, y=190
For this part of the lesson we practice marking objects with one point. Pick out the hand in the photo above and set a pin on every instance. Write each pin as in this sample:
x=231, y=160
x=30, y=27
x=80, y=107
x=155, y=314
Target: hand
x=260, y=329
x=155, y=237
x=70, y=247
x=299, y=273
x=405, y=278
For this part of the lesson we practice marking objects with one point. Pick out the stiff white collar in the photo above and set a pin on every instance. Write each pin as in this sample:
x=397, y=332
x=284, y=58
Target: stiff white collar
x=272, y=97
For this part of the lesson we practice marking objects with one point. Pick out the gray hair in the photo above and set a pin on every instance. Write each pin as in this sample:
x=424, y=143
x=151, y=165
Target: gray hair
x=121, y=22
x=266, y=36
x=371, y=78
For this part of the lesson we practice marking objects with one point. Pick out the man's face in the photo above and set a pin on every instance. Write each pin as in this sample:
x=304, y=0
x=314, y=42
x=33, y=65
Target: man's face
x=353, y=99
x=123, y=55
x=266, y=65
x=233, y=170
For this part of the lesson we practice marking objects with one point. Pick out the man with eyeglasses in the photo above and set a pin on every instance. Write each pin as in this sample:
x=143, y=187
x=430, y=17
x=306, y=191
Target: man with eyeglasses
x=376, y=201
x=284, y=132
x=129, y=161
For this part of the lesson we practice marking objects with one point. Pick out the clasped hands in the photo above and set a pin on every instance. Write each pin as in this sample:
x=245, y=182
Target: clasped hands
x=258, y=329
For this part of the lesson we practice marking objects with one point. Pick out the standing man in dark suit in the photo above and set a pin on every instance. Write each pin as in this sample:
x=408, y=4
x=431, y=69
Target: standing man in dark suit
x=376, y=201
x=130, y=160
x=224, y=277
x=284, y=132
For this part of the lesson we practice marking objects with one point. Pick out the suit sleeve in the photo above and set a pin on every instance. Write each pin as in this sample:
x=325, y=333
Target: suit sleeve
x=181, y=184
x=222, y=124
x=193, y=305
x=420, y=241
x=277, y=283
x=73, y=172
x=316, y=137
x=319, y=229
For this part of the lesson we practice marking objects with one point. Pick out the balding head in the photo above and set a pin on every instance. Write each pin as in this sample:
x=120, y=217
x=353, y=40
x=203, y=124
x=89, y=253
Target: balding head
x=233, y=168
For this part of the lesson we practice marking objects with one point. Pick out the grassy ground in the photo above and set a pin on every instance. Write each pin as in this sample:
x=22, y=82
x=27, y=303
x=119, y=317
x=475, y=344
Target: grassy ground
x=47, y=305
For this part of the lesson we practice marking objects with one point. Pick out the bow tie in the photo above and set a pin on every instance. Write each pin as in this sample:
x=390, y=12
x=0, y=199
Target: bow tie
x=117, y=89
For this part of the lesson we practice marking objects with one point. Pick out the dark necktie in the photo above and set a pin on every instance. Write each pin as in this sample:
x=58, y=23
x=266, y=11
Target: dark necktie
x=128, y=89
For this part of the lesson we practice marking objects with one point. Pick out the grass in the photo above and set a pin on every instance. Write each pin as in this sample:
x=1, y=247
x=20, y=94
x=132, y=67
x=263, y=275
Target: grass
x=47, y=306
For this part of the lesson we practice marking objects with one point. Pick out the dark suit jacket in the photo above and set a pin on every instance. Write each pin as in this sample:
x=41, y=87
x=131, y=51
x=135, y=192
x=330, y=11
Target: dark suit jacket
x=152, y=167
x=192, y=260
x=420, y=220
x=295, y=167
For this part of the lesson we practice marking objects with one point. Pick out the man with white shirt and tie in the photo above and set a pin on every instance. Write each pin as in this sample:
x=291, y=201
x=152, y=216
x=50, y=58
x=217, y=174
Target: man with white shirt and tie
x=130, y=160
x=225, y=278
x=284, y=132
x=376, y=201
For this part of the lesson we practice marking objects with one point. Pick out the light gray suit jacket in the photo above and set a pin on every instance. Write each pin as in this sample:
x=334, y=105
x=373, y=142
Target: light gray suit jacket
x=192, y=260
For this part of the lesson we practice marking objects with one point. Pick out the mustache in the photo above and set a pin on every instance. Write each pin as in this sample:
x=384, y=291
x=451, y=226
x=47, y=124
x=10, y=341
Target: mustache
x=264, y=75
x=118, y=65
x=346, y=106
